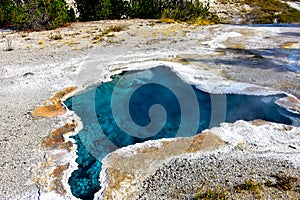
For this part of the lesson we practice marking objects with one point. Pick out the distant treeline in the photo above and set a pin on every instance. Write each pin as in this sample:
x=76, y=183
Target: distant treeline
x=146, y=9
x=49, y=14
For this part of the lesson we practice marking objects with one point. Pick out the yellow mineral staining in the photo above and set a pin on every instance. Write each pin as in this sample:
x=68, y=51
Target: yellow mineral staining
x=167, y=20
x=291, y=45
x=259, y=122
x=205, y=141
x=54, y=106
x=200, y=22
x=57, y=174
x=73, y=42
x=56, y=138
x=41, y=42
x=48, y=176
x=234, y=43
x=121, y=179
x=56, y=109
x=40, y=176
x=127, y=170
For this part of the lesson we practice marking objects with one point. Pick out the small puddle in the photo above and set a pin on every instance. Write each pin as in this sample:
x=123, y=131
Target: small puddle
x=147, y=105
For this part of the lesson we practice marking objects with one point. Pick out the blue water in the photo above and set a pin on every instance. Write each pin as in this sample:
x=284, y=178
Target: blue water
x=101, y=133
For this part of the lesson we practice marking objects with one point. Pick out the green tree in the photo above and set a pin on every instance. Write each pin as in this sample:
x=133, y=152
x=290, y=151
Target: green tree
x=104, y=9
x=147, y=9
x=87, y=9
x=39, y=14
x=118, y=9
x=34, y=14
x=7, y=12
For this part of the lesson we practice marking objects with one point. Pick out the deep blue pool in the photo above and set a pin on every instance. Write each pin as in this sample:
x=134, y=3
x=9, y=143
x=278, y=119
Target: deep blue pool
x=102, y=134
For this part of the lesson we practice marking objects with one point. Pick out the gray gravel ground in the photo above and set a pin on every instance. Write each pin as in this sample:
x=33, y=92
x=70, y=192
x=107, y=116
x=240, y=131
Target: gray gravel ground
x=185, y=178
x=20, y=134
x=32, y=73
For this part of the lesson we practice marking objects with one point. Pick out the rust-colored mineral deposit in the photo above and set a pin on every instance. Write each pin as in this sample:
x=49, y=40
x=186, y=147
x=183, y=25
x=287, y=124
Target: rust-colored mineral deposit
x=54, y=106
x=57, y=174
x=56, y=138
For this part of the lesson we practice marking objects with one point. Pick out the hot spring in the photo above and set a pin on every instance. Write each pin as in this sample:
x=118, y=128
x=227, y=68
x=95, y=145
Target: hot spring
x=151, y=104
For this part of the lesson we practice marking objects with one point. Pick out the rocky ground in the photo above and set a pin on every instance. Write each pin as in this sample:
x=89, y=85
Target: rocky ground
x=250, y=166
x=217, y=58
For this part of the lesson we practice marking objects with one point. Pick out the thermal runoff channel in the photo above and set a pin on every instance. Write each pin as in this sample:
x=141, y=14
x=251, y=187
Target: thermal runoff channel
x=148, y=105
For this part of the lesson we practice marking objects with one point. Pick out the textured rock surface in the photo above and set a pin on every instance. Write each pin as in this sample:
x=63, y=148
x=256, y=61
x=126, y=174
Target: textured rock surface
x=237, y=11
x=55, y=106
x=224, y=157
x=219, y=58
x=229, y=11
x=126, y=168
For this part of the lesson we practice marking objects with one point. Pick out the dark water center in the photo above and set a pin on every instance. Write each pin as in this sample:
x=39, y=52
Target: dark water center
x=103, y=132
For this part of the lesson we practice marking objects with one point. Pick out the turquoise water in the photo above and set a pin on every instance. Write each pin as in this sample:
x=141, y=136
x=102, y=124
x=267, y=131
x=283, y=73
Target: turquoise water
x=101, y=133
